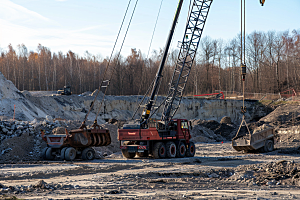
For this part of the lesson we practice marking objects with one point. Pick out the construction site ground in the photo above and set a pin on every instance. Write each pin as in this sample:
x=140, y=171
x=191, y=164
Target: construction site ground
x=216, y=172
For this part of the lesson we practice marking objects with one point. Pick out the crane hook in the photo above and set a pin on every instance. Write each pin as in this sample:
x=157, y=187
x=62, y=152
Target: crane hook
x=262, y=2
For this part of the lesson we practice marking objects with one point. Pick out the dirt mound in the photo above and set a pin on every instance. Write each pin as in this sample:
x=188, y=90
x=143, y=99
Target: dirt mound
x=212, y=131
x=283, y=116
x=203, y=134
x=18, y=149
x=12, y=99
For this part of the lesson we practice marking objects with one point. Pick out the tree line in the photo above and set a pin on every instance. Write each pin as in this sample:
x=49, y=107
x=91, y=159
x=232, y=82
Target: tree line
x=272, y=59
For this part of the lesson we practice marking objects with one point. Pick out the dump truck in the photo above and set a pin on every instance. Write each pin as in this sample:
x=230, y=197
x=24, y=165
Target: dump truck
x=78, y=143
x=65, y=91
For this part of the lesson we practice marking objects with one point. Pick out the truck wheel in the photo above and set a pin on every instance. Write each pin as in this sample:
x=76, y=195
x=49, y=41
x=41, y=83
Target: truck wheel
x=269, y=146
x=171, y=149
x=49, y=155
x=44, y=153
x=180, y=153
x=62, y=153
x=70, y=154
x=127, y=154
x=88, y=154
x=191, y=150
x=159, y=150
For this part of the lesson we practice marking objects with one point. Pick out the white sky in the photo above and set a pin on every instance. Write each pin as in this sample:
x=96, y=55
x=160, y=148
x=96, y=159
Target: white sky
x=92, y=25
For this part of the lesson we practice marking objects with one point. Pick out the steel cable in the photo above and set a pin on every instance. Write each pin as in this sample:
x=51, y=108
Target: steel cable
x=140, y=88
x=114, y=69
x=107, y=64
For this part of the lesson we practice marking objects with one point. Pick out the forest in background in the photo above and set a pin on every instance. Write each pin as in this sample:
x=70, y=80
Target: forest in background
x=272, y=59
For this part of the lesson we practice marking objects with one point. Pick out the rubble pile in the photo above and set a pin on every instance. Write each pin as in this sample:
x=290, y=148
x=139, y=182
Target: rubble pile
x=283, y=116
x=287, y=135
x=273, y=173
x=22, y=141
x=212, y=131
x=40, y=186
x=10, y=129
x=262, y=128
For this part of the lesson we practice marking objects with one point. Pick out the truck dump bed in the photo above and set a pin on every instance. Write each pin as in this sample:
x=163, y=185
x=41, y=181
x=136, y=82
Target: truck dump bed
x=252, y=141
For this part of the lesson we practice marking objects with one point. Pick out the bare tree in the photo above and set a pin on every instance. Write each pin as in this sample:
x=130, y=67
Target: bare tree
x=207, y=50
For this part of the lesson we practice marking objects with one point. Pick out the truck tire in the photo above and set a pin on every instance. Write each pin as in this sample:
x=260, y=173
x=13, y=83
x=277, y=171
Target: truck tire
x=49, y=155
x=159, y=150
x=44, y=153
x=171, y=149
x=70, y=154
x=62, y=153
x=127, y=154
x=88, y=154
x=180, y=153
x=269, y=146
x=191, y=150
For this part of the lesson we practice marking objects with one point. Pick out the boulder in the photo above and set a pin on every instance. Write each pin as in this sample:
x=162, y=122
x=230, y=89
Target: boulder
x=225, y=120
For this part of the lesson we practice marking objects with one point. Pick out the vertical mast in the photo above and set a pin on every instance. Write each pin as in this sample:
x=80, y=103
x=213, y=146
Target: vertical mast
x=149, y=105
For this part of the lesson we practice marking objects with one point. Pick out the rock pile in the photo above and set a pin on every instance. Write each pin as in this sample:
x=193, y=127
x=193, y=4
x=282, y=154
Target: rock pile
x=22, y=141
x=40, y=186
x=212, y=131
x=10, y=129
x=273, y=173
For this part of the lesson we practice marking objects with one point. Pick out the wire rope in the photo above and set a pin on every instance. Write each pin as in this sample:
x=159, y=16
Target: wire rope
x=114, y=69
x=107, y=66
x=140, y=88
x=154, y=28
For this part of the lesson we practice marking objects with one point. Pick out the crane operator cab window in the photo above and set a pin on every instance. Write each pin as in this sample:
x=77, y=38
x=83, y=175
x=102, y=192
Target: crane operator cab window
x=184, y=125
x=173, y=126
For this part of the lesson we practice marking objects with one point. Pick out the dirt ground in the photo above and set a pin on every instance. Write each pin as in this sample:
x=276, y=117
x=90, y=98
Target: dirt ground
x=216, y=172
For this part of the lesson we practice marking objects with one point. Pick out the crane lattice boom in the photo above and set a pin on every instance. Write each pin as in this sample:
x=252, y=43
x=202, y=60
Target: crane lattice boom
x=186, y=57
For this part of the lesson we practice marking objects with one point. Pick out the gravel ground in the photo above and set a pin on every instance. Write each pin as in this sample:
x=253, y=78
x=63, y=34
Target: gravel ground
x=216, y=172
